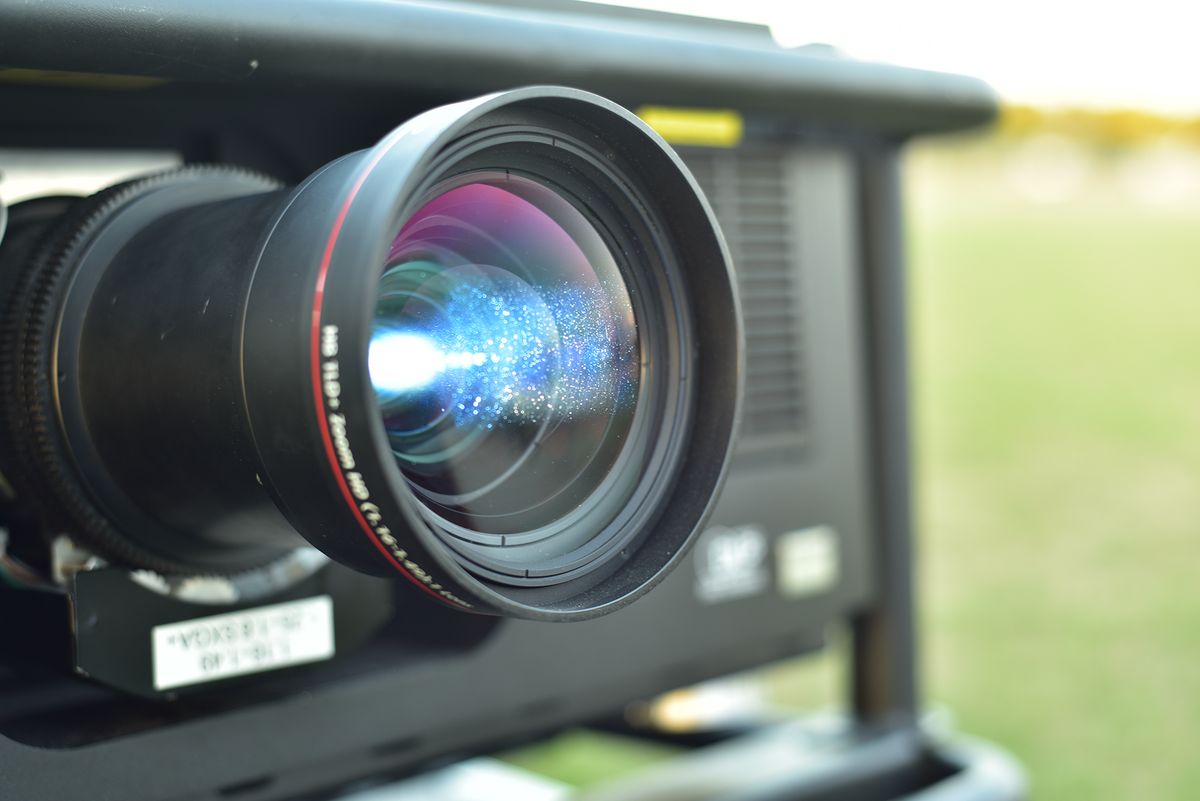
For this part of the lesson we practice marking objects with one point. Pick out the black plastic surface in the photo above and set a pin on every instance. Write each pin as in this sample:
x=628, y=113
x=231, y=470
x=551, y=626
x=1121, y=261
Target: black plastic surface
x=471, y=47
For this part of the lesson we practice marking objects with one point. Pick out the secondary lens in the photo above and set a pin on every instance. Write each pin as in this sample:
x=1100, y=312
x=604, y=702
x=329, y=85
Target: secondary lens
x=505, y=359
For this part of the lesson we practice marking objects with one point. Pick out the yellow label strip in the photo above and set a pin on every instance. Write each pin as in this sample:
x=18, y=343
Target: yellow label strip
x=694, y=126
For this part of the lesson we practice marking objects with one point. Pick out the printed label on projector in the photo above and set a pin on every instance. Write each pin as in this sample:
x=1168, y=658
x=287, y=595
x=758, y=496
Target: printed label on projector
x=731, y=562
x=238, y=643
x=808, y=561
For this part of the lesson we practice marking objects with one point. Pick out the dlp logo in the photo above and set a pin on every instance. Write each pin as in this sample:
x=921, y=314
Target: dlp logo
x=731, y=562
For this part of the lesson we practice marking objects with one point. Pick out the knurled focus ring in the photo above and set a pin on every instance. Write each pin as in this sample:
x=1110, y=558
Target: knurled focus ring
x=40, y=453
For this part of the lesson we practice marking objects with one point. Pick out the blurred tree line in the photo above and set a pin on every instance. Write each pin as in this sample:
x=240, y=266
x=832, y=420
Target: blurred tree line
x=1116, y=128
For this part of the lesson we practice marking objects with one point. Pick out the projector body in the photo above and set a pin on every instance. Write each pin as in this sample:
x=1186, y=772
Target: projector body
x=811, y=530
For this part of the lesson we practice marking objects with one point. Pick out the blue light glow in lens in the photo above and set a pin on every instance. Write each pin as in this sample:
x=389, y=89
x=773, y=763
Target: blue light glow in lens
x=491, y=351
x=401, y=362
x=499, y=351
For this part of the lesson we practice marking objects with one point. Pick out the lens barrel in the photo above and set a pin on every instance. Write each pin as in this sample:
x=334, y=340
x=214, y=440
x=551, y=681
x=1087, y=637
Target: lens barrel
x=498, y=354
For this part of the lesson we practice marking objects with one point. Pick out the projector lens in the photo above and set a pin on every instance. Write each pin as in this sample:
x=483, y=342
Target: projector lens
x=506, y=363
x=497, y=356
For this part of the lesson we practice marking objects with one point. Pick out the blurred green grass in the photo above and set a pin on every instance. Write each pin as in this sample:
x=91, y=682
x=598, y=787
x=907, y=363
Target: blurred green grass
x=583, y=758
x=1057, y=429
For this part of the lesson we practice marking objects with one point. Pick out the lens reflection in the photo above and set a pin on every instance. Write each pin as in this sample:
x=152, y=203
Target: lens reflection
x=504, y=355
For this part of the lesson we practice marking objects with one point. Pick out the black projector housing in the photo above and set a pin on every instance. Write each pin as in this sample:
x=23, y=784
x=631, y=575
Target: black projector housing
x=811, y=530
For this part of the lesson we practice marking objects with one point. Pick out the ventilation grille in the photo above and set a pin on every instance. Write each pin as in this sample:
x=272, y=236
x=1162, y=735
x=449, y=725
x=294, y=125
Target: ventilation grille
x=748, y=192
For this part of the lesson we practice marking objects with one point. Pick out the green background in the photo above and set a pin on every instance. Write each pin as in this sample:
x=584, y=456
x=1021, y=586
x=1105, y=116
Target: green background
x=1057, y=388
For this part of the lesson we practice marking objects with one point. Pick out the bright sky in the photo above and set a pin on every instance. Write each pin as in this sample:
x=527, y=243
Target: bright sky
x=1136, y=55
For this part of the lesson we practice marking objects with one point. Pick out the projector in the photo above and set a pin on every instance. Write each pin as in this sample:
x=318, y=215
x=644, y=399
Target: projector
x=445, y=375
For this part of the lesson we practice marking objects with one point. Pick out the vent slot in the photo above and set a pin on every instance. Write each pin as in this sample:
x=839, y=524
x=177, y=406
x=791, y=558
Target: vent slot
x=749, y=194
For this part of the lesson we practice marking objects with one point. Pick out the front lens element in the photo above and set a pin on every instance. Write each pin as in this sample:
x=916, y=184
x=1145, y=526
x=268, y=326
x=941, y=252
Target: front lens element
x=506, y=362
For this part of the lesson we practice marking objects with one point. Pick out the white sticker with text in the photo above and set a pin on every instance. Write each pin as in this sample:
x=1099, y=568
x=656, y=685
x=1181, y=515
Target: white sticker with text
x=808, y=561
x=238, y=643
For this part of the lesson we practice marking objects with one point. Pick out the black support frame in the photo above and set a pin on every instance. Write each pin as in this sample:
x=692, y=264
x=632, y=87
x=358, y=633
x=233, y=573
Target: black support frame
x=884, y=655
